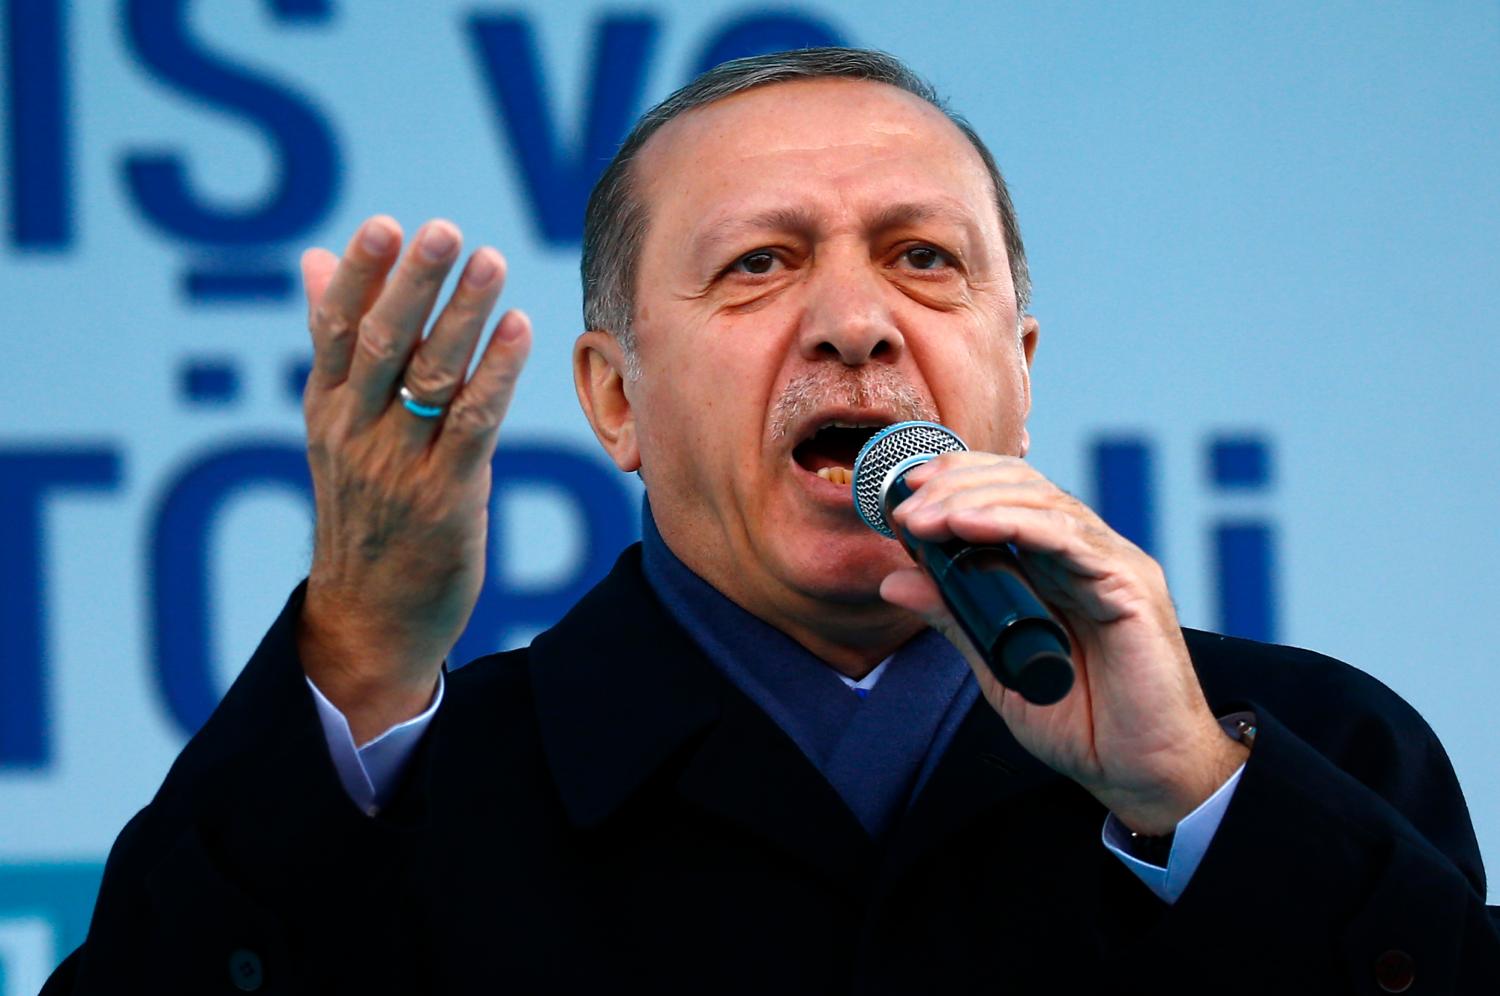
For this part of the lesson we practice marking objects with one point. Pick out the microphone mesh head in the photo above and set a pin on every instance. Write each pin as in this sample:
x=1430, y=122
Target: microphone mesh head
x=893, y=445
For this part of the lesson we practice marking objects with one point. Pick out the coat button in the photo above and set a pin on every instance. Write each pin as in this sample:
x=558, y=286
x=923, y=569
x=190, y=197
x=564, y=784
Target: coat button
x=245, y=970
x=1395, y=971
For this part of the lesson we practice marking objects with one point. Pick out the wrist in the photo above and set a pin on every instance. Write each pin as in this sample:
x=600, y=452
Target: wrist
x=375, y=680
x=1155, y=812
x=369, y=641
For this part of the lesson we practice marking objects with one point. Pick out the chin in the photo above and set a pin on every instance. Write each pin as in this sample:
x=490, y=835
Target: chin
x=844, y=570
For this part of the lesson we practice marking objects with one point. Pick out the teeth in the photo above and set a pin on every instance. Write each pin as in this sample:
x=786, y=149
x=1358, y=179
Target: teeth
x=837, y=475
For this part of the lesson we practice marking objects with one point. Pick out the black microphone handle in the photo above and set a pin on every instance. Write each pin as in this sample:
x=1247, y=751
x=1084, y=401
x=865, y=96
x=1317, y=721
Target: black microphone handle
x=985, y=590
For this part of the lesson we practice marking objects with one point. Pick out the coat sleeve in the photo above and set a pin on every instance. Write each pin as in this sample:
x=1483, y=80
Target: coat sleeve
x=251, y=864
x=1346, y=861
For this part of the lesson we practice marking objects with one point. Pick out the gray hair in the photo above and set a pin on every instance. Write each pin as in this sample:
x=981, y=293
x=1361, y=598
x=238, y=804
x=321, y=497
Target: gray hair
x=614, y=225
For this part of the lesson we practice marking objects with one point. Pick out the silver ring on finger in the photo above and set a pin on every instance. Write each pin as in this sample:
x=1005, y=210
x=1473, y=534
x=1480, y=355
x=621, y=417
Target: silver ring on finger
x=418, y=407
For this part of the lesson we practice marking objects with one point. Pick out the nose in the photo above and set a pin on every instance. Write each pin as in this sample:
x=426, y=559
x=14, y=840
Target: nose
x=848, y=315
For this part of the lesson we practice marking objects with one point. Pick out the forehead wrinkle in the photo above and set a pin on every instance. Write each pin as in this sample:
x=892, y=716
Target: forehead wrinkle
x=916, y=212
x=893, y=136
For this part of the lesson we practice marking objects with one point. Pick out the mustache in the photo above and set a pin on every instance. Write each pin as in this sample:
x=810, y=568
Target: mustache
x=848, y=387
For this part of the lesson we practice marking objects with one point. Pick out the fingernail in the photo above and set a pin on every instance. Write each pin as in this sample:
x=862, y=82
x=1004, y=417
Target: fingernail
x=481, y=270
x=376, y=238
x=512, y=326
x=437, y=242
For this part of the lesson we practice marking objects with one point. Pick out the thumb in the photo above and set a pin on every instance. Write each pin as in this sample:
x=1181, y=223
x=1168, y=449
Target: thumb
x=911, y=588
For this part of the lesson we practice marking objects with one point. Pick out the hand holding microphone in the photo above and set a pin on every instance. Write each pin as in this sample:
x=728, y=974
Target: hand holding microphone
x=982, y=585
x=1115, y=703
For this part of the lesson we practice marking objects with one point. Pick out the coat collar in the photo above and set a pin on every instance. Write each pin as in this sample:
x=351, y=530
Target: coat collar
x=983, y=770
x=623, y=695
x=619, y=689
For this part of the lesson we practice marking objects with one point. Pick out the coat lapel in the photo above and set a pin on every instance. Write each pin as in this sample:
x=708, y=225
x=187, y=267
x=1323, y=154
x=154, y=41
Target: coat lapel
x=622, y=692
x=751, y=774
x=984, y=768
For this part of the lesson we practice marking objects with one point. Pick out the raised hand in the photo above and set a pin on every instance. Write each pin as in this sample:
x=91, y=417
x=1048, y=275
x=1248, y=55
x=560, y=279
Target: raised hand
x=401, y=477
x=1135, y=730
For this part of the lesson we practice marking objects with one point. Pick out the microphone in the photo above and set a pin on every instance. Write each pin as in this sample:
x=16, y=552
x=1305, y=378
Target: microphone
x=983, y=586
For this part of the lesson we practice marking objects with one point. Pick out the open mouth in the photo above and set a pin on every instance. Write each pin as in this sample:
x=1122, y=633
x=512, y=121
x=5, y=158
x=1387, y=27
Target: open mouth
x=830, y=451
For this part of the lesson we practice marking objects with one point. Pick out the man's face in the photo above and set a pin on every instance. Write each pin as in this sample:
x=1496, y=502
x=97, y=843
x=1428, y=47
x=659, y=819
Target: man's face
x=822, y=258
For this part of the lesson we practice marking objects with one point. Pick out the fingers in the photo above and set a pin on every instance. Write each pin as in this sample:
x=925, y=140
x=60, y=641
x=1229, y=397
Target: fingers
x=472, y=425
x=367, y=323
x=438, y=366
x=988, y=499
x=950, y=489
x=340, y=291
x=1072, y=558
x=956, y=472
x=912, y=589
x=317, y=271
x=393, y=326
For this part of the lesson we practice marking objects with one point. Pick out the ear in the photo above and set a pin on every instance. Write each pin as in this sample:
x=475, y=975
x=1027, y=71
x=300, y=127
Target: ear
x=599, y=378
x=1030, y=331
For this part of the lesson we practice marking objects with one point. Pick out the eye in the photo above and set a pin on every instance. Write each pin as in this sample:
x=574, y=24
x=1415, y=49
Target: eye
x=756, y=263
x=923, y=257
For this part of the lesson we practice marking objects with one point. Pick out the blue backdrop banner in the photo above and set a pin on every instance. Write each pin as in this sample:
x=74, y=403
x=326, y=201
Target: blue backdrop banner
x=1267, y=269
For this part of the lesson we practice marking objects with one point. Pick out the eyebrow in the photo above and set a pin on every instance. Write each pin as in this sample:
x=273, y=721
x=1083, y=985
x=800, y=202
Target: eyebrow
x=802, y=222
x=973, y=251
x=782, y=219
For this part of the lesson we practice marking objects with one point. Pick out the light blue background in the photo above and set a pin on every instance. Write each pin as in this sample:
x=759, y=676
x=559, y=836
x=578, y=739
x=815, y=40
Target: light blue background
x=1277, y=218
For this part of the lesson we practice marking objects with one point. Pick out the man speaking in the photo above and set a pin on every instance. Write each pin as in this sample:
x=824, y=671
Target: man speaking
x=760, y=756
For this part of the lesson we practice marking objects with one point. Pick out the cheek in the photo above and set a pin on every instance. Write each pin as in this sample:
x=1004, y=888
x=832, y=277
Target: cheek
x=737, y=372
x=698, y=416
x=981, y=390
x=711, y=399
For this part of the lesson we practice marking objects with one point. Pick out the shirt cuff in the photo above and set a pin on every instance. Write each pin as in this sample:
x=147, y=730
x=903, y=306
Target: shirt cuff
x=1194, y=833
x=370, y=773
